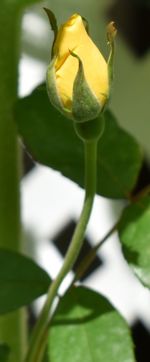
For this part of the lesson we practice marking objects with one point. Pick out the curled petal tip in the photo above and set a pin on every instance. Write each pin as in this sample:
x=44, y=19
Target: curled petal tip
x=111, y=31
x=73, y=54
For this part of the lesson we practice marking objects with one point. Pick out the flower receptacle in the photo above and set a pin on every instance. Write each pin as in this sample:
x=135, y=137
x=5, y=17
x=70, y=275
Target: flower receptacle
x=92, y=130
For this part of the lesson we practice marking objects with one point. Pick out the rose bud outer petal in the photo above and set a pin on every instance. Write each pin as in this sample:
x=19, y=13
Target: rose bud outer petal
x=53, y=91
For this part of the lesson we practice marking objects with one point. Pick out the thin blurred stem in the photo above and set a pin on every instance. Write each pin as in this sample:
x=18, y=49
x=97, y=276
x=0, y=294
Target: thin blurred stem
x=11, y=325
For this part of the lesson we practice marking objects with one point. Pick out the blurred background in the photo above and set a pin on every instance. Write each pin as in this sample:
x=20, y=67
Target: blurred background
x=50, y=202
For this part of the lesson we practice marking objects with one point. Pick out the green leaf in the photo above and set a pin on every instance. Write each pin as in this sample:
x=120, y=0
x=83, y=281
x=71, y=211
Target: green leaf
x=4, y=352
x=21, y=281
x=52, y=141
x=134, y=233
x=87, y=328
x=120, y=159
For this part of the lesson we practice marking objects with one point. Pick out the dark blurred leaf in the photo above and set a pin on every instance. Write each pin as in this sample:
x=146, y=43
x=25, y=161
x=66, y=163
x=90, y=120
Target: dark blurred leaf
x=143, y=181
x=4, y=352
x=134, y=232
x=52, y=141
x=141, y=340
x=87, y=328
x=132, y=18
x=21, y=281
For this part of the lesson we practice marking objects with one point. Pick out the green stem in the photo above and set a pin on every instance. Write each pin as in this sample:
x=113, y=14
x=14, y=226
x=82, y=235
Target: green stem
x=34, y=353
x=11, y=325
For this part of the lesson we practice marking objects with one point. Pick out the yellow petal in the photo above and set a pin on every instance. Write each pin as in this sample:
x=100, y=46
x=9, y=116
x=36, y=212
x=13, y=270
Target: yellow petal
x=73, y=36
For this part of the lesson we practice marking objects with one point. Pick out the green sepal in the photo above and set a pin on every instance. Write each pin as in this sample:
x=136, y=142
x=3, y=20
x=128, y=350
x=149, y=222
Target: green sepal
x=53, y=24
x=52, y=90
x=85, y=105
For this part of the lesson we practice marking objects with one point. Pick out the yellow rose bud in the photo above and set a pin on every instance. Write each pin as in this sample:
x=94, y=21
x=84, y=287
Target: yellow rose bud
x=77, y=77
x=72, y=36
